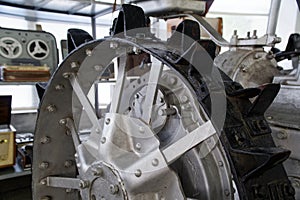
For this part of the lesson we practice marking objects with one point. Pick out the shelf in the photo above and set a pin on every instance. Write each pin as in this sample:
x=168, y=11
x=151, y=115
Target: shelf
x=19, y=83
x=13, y=172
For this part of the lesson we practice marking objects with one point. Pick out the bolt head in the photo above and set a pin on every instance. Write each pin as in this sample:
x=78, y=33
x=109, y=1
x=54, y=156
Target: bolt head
x=98, y=172
x=114, y=189
x=44, y=165
x=59, y=87
x=98, y=67
x=45, y=140
x=73, y=65
x=103, y=140
x=138, y=173
x=155, y=162
x=63, y=122
x=88, y=52
x=68, y=163
x=107, y=121
x=138, y=146
x=51, y=108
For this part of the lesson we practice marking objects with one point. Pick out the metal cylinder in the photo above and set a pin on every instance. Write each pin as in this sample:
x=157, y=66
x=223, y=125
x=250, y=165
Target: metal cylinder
x=273, y=17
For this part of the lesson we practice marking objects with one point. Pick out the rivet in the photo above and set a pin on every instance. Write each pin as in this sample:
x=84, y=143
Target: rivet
x=68, y=190
x=107, y=121
x=76, y=155
x=114, y=189
x=113, y=45
x=78, y=165
x=74, y=65
x=88, y=52
x=227, y=192
x=103, y=140
x=155, y=162
x=97, y=130
x=43, y=182
x=138, y=173
x=172, y=80
x=141, y=129
x=98, y=67
x=44, y=165
x=51, y=108
x=138, y=146
x=63, y=122
x=184, y=99
x=220, y=163
x=59, y=87
x=282, y=135
x=67, y=75
x=68, y=163
x=45, y=140
x=269, y=117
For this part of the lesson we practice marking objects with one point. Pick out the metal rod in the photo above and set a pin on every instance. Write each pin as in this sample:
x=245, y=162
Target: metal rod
x=273, y=17
x=189, y=141
x=90, y=111
x=93, y=24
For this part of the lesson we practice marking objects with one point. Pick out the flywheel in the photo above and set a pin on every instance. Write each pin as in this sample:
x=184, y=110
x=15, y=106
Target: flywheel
x=133, y=117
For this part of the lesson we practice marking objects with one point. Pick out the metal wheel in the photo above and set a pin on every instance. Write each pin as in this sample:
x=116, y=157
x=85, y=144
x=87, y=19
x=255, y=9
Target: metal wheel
x=151, y=140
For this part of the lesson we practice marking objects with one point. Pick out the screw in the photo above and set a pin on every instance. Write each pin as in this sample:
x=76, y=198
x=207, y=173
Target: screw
x=45, y=140
x=114, y=189
x=44, y=165
x=155, y=162
x=138, y=173
x=68, y=163
x=88, y=52
x=248, y=34
x=254, y=34
x=107, y=121
x=103, y=140
x=51, y=108
x=136, y=96
x=269, y=117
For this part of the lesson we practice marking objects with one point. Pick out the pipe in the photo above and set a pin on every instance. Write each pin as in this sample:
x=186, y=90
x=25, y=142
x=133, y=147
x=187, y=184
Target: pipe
x=273, y=17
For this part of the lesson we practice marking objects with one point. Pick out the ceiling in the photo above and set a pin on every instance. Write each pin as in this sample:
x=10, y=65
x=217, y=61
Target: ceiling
x=88, y=8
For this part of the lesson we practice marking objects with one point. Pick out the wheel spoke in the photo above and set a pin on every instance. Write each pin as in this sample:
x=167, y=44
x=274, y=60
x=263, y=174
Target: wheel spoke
x=64, y=182
x=189, y=141
x=155, y=74
x=84, y=102
x=118, y=91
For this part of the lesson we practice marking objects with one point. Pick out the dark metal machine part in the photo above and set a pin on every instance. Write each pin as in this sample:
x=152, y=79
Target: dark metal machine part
x=255, y=162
